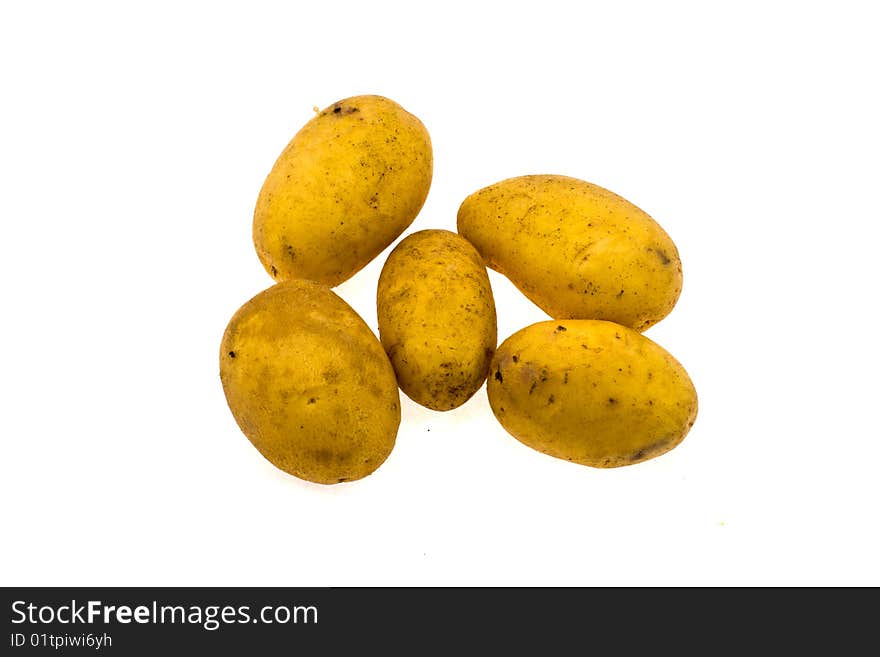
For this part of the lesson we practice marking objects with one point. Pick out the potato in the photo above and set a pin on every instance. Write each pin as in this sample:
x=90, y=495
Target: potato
x=309, y=383
x=576, y=250
x=437, y=318
x=592, y=392
x=347, y=185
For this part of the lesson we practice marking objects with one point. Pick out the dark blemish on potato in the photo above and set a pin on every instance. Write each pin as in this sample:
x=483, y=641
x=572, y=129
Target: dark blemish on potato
x=649, y=450
x=312, y=400
x=453, y=391
x=533, y=386
x=584, y=346
x=650, y=402
x=619, y=294
x=291, y=252
x=617, y=336
x=341, y=479
x=662, y=255
x=550, y=400
x=565, y=380
x=544, y=375
x=561, y=328
x=612, y=401
x=446, y=365
x=232, y=354
x=337, y=110
x=515, y=359
x=650, y=375
x=571, y=286
x=501, y=410
x=301, y=426
x=323, y=455
x=498, y=376
x=274, y=271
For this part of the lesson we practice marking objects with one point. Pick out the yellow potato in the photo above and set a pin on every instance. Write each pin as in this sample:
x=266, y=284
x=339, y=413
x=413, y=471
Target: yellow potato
x=575, y=249
x=347, y=185
x=437, y=318
x=309, y=383
x=591, y=392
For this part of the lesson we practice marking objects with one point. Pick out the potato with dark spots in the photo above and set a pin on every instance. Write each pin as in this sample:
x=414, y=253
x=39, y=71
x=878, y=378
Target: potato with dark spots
x=578, y=251
x=437, y=318
x=309, y=384
x=591, y=392
x=347, y=185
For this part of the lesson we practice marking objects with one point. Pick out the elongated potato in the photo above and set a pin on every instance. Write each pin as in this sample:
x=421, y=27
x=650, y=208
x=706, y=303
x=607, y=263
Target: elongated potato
x=309, y=383
x=575, y=249
x=591, y=392
x=437, y=318
x=347, y=185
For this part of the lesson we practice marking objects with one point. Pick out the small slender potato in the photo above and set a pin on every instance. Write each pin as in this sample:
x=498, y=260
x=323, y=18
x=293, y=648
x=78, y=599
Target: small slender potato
x=309, y=383
x=437, y=318
x=591, y=392
x=575, y=249
x=347, y=185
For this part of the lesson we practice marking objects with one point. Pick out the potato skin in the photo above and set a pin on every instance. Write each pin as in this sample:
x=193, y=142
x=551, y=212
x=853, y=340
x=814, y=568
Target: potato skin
x=578, y=251
x=309, y=383
x=345, y=187
x=591, y=392
x=437, y=318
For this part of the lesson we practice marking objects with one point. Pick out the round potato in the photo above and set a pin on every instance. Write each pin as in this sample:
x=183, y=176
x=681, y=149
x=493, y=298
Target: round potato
x=347, y=185
x=437, y=318
x=591, y=392
x=575, y=249
x=309, y=383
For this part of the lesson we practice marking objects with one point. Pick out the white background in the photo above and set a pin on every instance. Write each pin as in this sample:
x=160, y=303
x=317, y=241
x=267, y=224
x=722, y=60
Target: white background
x=133, y=144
